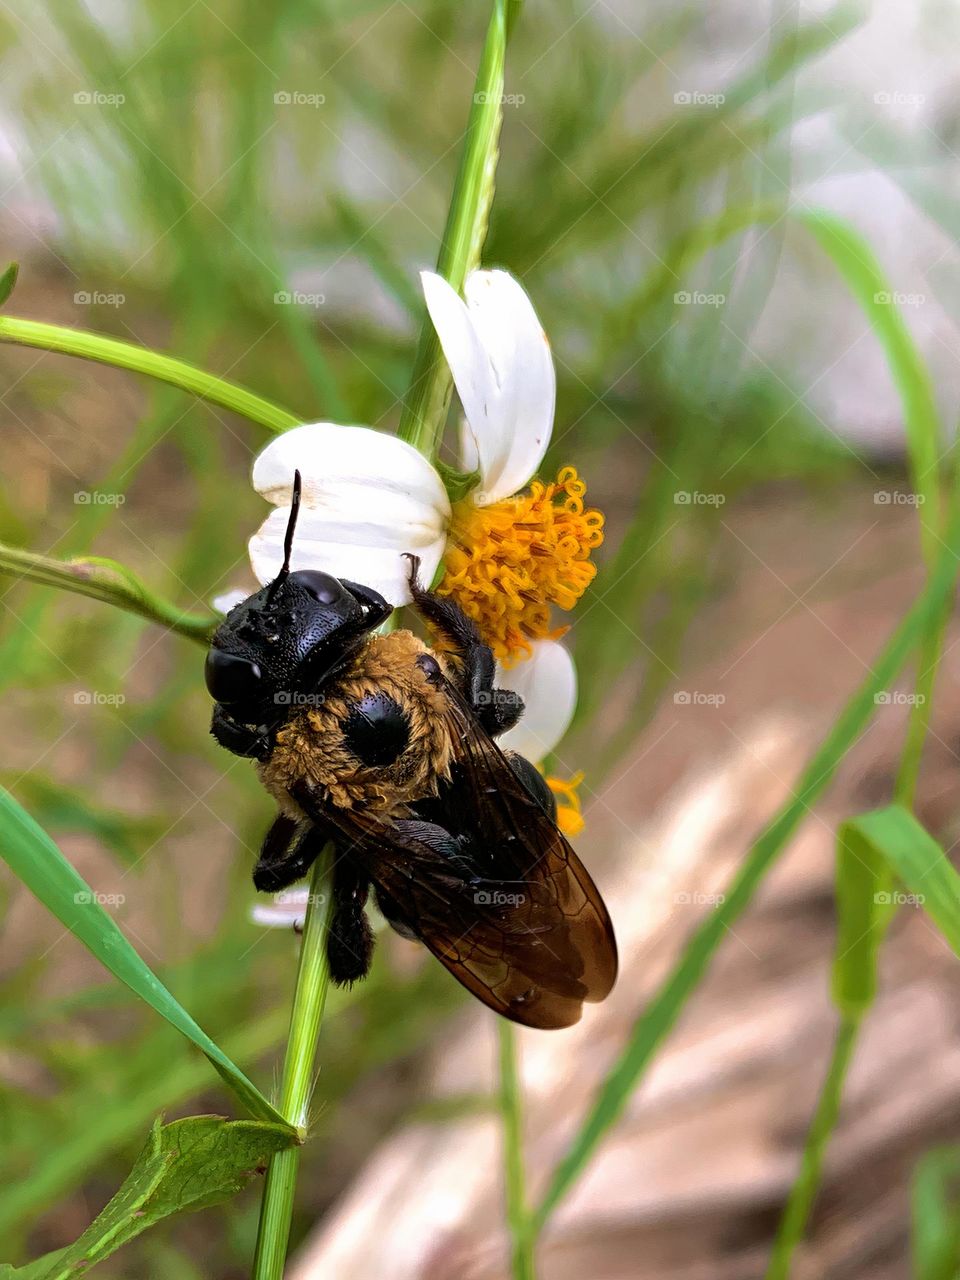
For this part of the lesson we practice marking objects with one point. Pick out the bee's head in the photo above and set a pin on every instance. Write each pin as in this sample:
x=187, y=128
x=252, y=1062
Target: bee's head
x=284, y=638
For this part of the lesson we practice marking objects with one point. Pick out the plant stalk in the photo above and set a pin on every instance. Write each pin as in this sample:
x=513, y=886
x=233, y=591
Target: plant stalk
x=522, y=1235
x=276, y=1209
x=126, y=355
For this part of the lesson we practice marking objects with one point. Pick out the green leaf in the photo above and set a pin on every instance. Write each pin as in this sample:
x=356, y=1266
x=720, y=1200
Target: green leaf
x=854, y=258
x=36, y=860
x=863, y=883
x=457, y=483
x=936, y=1215
x=8, y=281
x=911, y=852
x=188, y=1165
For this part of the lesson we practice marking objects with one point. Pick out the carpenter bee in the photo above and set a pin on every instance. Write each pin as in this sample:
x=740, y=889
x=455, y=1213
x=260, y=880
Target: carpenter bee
x=386, y=748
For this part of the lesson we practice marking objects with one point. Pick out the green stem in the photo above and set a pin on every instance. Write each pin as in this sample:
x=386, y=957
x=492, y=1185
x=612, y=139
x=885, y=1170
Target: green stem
x=126, y=355
x=276, y=1210
x=109, y=582
x=804, y=1190
x=511, y=1109
x=425, y=407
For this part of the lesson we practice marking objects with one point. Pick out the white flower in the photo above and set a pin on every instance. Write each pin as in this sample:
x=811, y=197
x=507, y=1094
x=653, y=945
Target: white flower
x=287, y=911
x=368, y=497
x=547, y=682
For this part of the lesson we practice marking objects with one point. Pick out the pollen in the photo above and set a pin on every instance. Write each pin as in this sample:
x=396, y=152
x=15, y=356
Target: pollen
x=569, y=814
x=509, y=562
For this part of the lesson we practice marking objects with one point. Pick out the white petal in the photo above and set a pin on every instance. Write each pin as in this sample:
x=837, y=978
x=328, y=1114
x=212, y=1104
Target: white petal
x=501, y=363
x=547, y=682
x=367, y=499
x=287, y=909
x=223, y=604
x=368, y=551
x=337, y=463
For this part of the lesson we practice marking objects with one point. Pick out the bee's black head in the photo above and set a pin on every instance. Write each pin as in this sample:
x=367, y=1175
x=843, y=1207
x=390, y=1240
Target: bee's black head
x=282, y=642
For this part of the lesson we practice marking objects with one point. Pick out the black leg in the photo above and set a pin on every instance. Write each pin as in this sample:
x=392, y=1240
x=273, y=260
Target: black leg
x=350, y=940
x=496, y=709
x=535, y=783
x=279, y=868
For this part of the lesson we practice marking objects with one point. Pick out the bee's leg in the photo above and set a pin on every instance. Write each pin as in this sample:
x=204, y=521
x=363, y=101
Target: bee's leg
x=350, y=939
x=284, y=861
x=535, y=783
x=496, y=709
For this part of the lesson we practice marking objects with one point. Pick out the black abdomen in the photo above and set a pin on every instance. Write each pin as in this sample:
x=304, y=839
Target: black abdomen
x=377, y=730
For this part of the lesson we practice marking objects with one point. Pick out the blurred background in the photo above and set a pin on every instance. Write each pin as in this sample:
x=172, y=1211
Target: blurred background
x=254, y=188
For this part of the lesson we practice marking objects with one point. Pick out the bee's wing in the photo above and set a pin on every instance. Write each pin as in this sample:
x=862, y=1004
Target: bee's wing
x=530, y=935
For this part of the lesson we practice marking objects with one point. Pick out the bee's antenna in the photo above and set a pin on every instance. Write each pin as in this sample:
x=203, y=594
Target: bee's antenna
x=288, y=536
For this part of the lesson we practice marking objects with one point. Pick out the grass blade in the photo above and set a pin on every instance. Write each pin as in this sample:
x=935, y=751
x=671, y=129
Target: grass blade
x=36, y=860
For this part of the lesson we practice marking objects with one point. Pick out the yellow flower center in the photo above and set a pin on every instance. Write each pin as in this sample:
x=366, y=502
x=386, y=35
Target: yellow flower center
x=569, y=815
x=507, y=563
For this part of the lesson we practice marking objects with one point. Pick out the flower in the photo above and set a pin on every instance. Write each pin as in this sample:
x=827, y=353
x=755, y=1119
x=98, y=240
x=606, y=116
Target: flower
x=369, y=497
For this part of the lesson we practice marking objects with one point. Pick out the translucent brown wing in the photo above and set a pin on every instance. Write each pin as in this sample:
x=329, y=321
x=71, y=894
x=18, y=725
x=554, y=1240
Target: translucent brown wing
x=522, y=926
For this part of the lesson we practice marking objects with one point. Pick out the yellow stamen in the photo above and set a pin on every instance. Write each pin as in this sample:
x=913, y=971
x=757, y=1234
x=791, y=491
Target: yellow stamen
x=507, y=563
x=569, y=815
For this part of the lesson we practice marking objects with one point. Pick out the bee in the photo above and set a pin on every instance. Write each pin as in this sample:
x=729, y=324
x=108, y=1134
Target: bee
x=387, y=748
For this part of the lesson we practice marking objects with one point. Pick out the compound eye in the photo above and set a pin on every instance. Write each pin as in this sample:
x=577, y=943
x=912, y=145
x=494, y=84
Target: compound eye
x=324, y=588
x=231, y=678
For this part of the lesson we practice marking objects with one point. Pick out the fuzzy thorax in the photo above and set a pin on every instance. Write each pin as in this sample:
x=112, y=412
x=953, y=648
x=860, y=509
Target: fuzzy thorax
x=311, y=748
